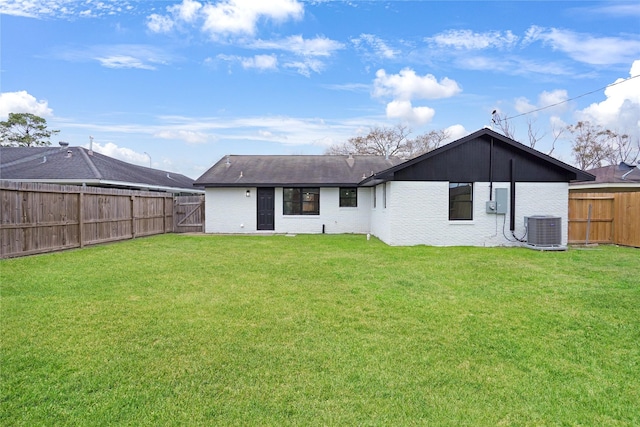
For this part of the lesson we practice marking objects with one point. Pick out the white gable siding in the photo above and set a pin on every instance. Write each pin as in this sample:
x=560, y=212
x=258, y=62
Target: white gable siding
x=418, y=213
x=228, y=210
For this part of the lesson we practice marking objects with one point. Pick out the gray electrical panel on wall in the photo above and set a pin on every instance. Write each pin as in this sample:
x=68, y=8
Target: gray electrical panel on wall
x=501, y=200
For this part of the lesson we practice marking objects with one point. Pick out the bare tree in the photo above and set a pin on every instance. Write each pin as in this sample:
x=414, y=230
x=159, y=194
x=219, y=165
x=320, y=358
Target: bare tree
x=556, y=132
x=534, y=133
x=503, y=125
x=624, y=149
x=426, y=142
x=390, y=142
x=591, y=145
x=380, y=141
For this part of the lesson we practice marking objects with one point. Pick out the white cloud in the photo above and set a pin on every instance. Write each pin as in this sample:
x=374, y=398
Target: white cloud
x=121, y=153
x=318, y=46
x=260, y=62
x=138, y=56
x=41, y=9
x=553, y=101
x=123, y=61
x=380, y=47
x=405, y=111
x=523, y=105
x=456, y=132
x=187, y=11
x=407, y=85
x=469, y=40
x=620, y=111
x=23, y=102
x=188, y=136
x=240, y=17
x=556, y=99
x=587, y=48
x=160, y=24
x=624, y=10
x=306, y=67
x=225, y=17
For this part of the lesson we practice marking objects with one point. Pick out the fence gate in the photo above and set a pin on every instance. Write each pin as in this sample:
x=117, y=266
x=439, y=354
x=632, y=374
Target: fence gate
x=188, y=214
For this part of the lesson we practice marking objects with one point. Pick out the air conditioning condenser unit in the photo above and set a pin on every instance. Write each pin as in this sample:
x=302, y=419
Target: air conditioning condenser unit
x=544, y=232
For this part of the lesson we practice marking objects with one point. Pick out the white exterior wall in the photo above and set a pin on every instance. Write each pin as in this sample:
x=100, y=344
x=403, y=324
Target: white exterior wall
x=380, y=219
x=228, y=210
x=418, y=214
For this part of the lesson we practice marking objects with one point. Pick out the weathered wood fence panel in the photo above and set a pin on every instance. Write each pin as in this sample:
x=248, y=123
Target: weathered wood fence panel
x=39, y=218
x=605, y=218
x=627, y=219
x=189, y=214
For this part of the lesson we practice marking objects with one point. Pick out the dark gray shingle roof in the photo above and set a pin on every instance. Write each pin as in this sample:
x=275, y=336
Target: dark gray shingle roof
x=76, y=164
x=294, y=170
x=620, y=173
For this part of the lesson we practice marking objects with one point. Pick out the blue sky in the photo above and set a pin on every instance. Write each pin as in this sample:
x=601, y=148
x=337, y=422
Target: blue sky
x=183, y=83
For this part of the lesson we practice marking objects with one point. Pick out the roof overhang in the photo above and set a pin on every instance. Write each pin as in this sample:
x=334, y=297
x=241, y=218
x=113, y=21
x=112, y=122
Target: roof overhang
x=280, y=184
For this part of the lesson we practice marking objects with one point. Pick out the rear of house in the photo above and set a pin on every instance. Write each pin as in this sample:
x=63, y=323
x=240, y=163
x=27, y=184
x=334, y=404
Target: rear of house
x=290, y=194
x=477, y=191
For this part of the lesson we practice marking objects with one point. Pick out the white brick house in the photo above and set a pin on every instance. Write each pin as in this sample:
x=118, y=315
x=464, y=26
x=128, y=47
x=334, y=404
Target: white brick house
x=475, y=191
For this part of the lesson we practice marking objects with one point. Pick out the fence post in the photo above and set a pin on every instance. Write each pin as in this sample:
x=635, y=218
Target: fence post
x=133, y=217
x=81, y=218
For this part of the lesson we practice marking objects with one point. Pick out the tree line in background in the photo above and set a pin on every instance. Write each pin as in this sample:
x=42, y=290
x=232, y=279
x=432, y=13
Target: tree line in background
x=592, y=145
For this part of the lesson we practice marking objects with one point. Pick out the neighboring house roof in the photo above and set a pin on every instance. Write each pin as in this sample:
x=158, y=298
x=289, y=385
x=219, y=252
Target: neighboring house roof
x=619, y=176
x=77, y=165
x=484, y=155
x=293, y=170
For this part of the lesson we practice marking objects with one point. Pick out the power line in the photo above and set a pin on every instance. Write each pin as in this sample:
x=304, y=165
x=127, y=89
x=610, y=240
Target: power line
x=571, y=99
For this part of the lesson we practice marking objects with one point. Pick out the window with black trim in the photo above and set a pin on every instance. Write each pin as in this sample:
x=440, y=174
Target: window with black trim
x=460, y=201
x=384, y=195
x=375, y=195
x=301, y=201
x=348, y=197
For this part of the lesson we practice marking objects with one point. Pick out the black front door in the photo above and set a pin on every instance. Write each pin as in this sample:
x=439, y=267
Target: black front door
x=266, y=207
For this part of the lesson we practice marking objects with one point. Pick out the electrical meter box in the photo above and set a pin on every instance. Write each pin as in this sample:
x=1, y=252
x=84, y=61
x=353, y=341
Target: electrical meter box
x=501, y=200
x=499, y=205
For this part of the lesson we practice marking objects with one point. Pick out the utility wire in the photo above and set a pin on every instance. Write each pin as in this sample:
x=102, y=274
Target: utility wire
x=571, y=99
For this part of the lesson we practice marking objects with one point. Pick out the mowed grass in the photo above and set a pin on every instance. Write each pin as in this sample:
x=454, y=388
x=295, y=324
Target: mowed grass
x=319, y=330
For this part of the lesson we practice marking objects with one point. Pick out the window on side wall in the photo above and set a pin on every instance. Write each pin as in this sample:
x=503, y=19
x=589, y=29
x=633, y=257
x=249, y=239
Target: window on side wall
x=301, y=201
x=348, y=197
x=384, y=195
x=375, y=196
x=460, y=201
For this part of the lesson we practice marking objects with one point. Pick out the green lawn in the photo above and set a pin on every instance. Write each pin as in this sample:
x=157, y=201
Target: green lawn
x=319, y=330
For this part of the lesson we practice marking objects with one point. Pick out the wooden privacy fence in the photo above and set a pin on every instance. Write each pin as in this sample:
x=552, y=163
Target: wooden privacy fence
x=605, y=218
x=39, y=218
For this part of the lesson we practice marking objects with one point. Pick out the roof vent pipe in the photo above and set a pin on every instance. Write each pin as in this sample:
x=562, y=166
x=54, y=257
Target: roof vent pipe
x=350, y=160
